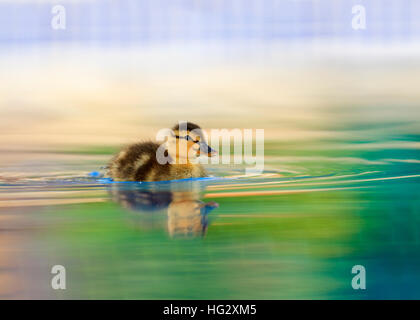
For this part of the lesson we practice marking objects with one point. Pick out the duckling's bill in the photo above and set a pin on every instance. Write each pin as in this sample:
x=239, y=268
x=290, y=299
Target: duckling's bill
x=205, y=149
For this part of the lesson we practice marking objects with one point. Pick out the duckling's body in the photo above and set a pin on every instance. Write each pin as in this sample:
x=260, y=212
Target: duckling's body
x=138, y=162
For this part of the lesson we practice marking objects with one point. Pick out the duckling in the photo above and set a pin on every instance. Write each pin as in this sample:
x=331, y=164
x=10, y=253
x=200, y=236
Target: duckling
x=143, y=161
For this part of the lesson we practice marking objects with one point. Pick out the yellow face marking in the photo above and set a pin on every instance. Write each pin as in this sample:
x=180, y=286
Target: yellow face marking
x=187, y=144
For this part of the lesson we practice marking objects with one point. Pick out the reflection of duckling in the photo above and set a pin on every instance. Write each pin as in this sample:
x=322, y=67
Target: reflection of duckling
x=187, y=216
x=141, y=200
x=139, y=162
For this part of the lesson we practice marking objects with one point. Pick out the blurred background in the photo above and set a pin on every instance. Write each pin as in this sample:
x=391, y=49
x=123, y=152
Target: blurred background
x=121, y=69
x=340, y=110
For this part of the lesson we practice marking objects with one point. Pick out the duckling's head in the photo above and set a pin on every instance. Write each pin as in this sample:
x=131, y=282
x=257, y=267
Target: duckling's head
x=187, y=142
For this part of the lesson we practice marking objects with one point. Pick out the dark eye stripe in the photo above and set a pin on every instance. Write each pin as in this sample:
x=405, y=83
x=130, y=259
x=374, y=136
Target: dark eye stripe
x=188, y=138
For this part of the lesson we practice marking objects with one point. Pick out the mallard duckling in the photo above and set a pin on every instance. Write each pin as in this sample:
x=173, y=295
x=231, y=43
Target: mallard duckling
x=174, y=159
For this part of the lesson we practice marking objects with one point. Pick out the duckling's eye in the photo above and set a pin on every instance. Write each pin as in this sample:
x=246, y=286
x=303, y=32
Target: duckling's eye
x=189, y=138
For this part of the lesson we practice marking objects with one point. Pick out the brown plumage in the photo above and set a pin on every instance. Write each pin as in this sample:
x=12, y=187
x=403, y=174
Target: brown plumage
x=138, y=162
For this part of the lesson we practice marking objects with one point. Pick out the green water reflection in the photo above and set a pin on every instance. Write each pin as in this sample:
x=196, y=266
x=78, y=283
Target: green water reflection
x=294, y=232
x=297, y=235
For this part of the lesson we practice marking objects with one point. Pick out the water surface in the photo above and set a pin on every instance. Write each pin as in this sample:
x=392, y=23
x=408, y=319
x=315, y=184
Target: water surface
x=295, y=231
